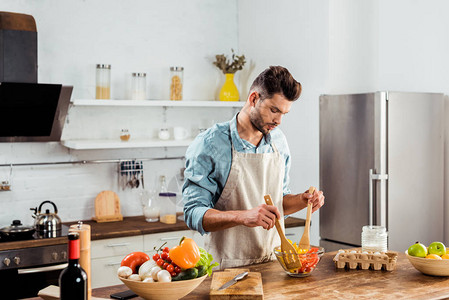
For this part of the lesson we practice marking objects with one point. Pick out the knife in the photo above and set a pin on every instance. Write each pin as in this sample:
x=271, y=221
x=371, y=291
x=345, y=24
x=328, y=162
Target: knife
x=233, y=280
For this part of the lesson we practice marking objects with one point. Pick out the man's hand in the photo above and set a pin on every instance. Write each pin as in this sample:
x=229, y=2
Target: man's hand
x=294, y=203
x=316, y=198
x=263, y=215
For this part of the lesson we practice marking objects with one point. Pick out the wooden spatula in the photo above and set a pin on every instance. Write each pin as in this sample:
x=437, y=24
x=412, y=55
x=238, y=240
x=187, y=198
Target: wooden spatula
x=290, y=255
x=304, y=243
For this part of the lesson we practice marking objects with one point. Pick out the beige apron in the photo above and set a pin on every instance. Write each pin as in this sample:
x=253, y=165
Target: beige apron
x=252, y=176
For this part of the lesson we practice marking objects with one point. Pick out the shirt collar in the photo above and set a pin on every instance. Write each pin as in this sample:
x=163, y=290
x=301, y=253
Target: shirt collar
x=241, y=144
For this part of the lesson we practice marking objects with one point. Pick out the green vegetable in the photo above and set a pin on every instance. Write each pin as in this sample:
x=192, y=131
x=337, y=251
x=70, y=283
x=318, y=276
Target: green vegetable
x=191, y=273
x=201, y=271
x=206, y=261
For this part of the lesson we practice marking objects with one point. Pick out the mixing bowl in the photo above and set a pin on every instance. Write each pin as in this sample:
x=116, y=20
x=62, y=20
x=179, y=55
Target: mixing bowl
x=309, y=261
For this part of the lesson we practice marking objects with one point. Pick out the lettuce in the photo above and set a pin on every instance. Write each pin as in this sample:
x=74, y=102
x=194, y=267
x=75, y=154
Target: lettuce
x=206, y=261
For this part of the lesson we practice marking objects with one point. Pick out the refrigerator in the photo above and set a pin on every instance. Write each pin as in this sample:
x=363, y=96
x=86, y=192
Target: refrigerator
x=381, y=163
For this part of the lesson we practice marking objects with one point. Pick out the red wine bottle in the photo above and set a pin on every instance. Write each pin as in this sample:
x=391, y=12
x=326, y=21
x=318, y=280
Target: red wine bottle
x=73, y=279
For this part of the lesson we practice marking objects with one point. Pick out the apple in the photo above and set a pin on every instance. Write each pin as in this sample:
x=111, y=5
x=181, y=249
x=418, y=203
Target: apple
x=418, y=250
x=437, y=248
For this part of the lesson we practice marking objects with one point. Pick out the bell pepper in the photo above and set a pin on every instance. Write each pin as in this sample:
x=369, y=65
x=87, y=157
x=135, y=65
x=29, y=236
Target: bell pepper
x=186, y=254
x=134, y=260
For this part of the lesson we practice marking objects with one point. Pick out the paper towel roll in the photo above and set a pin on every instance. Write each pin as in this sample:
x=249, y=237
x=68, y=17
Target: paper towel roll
x=84, y=233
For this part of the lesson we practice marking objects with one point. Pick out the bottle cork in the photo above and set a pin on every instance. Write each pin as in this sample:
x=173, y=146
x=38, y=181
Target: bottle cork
x=84, y=233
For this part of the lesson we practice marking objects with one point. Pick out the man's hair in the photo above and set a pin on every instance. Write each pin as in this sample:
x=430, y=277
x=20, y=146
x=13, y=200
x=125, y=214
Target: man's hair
x=276, y=80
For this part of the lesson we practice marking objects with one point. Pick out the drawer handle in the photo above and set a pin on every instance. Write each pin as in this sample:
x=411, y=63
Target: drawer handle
x=113, y=264
x=118, y=245
x=171, y=238
x=289, y=234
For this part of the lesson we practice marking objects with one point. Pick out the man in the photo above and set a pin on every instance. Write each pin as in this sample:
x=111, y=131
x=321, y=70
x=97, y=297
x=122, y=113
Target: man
x=231, y=166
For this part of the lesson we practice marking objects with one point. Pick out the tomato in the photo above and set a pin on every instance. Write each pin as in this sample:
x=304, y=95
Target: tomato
x=165, y=265
x=170, y=268
x=177, y=269
x=173, y=274
x=166, y=249
x=156, y=257
x=160, y=262
x=164, y=255
x=134, y=260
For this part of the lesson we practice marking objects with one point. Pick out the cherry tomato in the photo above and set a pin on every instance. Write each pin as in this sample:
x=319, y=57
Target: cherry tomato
x=173, y=274
x=166, y=249
x=160, y=262
x=165, y=265
x=156, y=257
x=164, y=255
x=177, y=269
x=134, y=260
x=170, y=268
x=168, y=259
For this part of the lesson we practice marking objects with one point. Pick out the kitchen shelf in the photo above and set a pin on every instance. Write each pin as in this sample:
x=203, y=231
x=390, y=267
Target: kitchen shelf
x=112, y=144
x=159, y=103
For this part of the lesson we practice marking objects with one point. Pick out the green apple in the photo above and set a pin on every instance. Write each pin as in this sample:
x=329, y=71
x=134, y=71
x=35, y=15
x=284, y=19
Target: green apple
x=437, y=248
x=418, y=250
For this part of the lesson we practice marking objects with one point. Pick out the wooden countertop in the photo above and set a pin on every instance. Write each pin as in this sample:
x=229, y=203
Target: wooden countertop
x=130, y=226
x=327, y=282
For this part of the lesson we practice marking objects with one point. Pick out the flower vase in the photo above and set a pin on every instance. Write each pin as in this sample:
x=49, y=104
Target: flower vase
x=229, y=91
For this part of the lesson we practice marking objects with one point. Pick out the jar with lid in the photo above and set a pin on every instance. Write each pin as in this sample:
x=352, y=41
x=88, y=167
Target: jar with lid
x=150, y=205
x=138, y=86
x=176, y=82
x=374, y=238
x=103, y=82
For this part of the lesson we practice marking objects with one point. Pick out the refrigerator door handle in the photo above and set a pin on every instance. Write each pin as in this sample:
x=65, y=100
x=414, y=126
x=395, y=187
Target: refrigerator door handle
x=372, y=177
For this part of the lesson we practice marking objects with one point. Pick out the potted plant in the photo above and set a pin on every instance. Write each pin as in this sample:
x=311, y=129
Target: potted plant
x=229, y=67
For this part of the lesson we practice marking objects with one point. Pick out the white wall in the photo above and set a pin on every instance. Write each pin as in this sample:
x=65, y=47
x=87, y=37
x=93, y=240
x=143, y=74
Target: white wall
x=133, y=36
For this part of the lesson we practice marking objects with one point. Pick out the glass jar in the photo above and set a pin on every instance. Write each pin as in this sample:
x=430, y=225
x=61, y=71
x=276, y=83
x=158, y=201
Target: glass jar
x=150, y=206
x=374, y=238
x=167, y=201
x=103, y=82
x=176, y=82
x=138, y=86
x=125, y=135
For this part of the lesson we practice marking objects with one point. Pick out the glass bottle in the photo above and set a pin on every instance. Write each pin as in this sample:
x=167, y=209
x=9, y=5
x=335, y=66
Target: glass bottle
x=138, y=86
x=73, y=279
x=176, y=82
x=374, y=238
x=103, y=85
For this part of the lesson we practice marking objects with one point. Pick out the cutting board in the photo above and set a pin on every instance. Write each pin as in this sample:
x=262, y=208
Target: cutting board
x=51, y=292
x=107, y=207
x=249, y=288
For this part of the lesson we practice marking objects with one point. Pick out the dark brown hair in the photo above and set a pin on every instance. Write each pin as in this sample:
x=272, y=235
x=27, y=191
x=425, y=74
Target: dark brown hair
x=276, y=80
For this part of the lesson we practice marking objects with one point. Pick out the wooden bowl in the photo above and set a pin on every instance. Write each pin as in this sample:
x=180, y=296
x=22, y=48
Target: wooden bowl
x=435, y=267
x=163, y=290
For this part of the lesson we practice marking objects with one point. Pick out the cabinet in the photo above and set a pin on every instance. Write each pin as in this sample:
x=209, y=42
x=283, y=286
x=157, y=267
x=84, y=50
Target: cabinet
x=96, y=124
x=294, y=233
x=107, y=254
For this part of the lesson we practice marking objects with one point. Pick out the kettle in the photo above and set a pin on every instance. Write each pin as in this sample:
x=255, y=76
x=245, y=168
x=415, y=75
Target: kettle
x=48, y=221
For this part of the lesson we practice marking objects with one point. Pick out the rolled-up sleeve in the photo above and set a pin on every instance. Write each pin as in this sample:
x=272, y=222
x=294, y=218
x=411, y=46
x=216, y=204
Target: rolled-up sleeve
x=199, y=186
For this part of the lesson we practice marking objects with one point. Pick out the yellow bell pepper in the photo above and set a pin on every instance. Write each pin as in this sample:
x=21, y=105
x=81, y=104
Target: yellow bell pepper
x=186, y=254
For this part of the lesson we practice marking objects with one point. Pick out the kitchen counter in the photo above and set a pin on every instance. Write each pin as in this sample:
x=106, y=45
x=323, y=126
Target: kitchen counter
x=130, y=226
x=328, y=282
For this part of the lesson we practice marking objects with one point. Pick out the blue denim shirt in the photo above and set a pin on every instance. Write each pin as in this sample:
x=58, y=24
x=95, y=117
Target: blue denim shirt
x=208, y=163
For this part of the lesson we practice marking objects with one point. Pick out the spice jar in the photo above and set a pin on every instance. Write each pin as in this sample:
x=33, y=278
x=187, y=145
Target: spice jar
x=374, y=238
x=138, y=86
x=103, y=85
x=125, y=135
x=176, y=81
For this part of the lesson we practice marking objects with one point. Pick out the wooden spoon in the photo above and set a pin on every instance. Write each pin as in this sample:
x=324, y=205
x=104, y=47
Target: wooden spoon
x=304, y=243
x=291, y=258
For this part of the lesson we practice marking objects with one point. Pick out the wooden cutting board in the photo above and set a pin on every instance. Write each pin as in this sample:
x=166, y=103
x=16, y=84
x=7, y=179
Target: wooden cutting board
x=107, y=207
x=248, y=288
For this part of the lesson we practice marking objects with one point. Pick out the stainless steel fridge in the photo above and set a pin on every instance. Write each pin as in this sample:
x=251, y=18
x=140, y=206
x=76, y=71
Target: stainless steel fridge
x=381, y=163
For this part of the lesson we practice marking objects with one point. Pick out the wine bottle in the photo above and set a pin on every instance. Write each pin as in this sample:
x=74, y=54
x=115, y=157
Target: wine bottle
x=73, y=279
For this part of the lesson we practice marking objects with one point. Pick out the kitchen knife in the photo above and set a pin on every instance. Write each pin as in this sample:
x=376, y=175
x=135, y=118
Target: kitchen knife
x=233, y=280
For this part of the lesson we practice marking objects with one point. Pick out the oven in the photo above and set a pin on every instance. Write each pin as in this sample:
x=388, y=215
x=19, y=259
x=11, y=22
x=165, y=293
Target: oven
x=32, y=265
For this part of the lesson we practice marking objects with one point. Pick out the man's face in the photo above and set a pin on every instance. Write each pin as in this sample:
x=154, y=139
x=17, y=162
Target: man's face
x=268, y=113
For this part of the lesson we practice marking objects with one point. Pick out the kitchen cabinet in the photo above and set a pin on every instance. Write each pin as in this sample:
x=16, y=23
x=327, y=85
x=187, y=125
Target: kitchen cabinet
x=294, y=233
x=96, y=124
x=107, y=254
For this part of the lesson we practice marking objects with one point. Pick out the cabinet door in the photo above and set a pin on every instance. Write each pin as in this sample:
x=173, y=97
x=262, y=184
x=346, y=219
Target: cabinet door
x=117, y=246
x=104, y=271
x=170, y=239
x=294, y=233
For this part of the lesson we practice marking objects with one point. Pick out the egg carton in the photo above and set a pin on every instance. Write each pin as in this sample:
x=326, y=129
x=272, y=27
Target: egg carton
x=365, y=260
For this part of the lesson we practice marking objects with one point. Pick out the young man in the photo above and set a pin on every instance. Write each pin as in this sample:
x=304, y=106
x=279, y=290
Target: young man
x=231, y=166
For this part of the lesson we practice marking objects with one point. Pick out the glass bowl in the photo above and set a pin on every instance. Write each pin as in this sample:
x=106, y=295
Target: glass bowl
x=309, y=261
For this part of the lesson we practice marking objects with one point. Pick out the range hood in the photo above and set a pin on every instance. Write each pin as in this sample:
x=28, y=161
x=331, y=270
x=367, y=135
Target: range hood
x=29, y=111
x=33, y=112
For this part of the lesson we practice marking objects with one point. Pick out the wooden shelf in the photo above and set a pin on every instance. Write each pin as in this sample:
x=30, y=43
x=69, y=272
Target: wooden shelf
x=160, y=103
x=117, y=144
